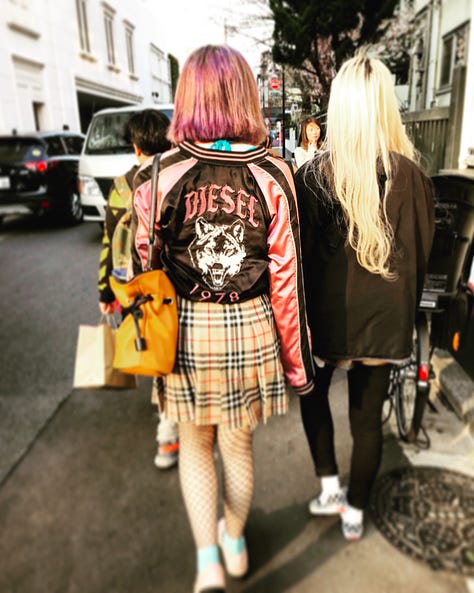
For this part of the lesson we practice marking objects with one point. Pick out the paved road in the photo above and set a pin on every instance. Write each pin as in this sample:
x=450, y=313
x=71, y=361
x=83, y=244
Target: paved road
x=47, y=288
x=82, y=507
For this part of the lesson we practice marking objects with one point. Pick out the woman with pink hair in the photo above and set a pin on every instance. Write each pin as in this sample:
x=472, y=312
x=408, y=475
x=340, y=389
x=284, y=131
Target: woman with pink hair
x=228, y=229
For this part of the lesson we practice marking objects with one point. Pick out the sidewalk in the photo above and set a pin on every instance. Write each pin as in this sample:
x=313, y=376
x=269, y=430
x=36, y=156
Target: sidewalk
x=456, y=385
x=86, y=511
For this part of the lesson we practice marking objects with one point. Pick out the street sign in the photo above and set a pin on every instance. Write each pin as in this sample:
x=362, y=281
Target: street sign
x=275, y=84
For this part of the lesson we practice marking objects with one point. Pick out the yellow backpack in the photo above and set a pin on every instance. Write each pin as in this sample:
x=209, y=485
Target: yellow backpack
x=147, y=337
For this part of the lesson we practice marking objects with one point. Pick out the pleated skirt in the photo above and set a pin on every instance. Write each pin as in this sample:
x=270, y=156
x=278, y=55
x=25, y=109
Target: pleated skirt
x=228, y=369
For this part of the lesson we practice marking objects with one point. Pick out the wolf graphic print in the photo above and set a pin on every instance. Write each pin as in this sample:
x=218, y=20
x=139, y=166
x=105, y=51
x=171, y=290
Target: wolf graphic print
x=218, y=251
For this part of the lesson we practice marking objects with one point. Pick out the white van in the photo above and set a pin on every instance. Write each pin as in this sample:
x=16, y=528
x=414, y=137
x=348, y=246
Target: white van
x=106, y=155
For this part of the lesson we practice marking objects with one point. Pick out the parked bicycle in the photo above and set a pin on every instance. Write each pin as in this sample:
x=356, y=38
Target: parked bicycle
x=445, y=306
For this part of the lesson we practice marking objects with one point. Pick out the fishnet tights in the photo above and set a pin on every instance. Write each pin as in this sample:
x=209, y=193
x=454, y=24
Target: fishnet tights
x=199, y=485
x=237, y=461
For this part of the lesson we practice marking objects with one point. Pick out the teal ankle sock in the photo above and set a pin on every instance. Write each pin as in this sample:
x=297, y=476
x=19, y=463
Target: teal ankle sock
x=206, y=556
x=234, y=545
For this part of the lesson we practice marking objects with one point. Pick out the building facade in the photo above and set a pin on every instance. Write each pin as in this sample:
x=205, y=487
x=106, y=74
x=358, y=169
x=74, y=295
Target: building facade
x=62, y=61
x=441, y=83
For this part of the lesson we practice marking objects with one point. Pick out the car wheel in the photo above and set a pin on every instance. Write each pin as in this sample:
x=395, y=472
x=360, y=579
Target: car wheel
x=73, y=213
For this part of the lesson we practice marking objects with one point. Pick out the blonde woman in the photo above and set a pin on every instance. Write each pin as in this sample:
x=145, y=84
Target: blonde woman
x=366, y=216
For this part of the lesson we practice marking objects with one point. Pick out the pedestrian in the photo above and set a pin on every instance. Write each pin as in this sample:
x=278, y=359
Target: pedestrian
x=367, y=222
x=228, y=229
x=310, y=141
x=146, y=132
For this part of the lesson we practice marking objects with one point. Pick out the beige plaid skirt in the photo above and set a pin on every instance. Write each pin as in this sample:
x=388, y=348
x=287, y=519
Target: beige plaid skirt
x=228, y=369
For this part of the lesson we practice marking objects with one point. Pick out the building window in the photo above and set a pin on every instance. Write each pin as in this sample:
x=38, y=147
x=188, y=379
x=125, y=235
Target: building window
x=446, y=61
x=129, y=44
x=109, y=14
x=81, y=8
x=453, y=53
x=160, y=75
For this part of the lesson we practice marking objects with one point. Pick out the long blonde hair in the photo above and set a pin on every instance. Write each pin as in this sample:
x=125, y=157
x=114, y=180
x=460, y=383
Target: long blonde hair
x=363, y=127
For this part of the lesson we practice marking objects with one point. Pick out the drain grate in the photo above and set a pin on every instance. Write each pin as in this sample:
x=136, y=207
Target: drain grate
x=428, y=513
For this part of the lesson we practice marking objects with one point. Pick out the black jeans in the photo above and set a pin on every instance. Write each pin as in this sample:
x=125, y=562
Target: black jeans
x=368, y=387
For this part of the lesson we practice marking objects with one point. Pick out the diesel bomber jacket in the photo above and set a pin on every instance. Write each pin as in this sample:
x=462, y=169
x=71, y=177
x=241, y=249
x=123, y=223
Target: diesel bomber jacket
x=228, y=229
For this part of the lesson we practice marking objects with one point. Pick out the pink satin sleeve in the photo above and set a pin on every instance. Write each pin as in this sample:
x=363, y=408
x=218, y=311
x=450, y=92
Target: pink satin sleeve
x=141, y=203
x=286, y=281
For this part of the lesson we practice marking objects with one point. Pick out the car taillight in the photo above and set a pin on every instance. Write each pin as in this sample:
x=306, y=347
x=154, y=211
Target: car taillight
x=41, y=166
x=423, y=372
x=456, y=341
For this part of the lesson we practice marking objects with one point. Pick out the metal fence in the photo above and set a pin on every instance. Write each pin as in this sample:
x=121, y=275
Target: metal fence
x=428, y=130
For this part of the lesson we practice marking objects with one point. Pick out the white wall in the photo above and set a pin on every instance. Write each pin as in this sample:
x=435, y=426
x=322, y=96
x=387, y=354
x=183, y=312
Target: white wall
x=467, y=137
x=443, y=17
x=21, y=63
x=41, y=60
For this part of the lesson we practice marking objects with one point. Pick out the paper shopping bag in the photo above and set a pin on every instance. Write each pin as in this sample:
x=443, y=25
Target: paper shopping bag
x=94, y=357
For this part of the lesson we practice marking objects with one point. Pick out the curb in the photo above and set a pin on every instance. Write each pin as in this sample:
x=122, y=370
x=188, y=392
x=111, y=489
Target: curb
x=456, y=386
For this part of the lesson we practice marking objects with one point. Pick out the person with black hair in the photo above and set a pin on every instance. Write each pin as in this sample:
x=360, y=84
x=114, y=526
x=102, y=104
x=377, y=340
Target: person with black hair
x=310, y=141
x=146, y=132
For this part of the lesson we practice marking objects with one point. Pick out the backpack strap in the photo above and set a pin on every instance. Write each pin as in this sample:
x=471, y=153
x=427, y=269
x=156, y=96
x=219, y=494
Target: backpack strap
x=153, y=198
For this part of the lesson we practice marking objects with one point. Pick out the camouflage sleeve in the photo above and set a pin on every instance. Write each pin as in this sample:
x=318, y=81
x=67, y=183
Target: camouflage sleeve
x=113, y=213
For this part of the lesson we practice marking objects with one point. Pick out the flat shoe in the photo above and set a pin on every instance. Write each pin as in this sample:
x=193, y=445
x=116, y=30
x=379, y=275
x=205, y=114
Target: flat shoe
x=210, y=580
x=236, y=563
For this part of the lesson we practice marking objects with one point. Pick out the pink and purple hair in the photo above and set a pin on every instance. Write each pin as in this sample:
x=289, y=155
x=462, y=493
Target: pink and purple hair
x=217, y=97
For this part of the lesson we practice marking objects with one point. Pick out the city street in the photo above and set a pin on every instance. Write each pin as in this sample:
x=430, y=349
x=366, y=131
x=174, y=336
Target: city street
x=82, y=507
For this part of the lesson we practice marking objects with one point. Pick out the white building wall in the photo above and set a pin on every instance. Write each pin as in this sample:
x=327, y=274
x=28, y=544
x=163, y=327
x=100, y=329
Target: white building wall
x=92, y=71
x=442, y=17
x=434, y=19
x=41, y=61
x=21, y=64
x=452, y=14
x=467, y=136
x=60, y=63
x=455, y=13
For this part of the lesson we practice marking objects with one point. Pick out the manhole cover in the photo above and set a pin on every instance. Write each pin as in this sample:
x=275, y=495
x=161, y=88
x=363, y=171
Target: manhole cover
x=428, y=513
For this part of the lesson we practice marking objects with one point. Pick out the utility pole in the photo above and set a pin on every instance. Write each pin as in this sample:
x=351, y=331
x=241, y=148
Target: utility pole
x=283, y=108
x=269, y=107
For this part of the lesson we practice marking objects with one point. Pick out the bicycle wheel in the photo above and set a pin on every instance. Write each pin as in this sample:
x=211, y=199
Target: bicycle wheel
x=410, y=384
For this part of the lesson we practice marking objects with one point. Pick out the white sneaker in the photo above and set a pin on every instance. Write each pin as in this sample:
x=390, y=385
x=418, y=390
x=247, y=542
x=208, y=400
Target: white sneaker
x=352, y=527
x=329, y=504
x=167, y=454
